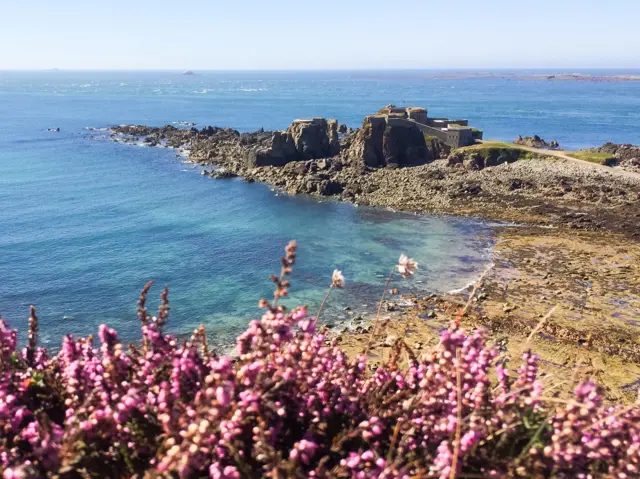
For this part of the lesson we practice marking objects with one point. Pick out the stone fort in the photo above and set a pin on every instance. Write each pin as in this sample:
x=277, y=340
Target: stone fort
x=455, y=133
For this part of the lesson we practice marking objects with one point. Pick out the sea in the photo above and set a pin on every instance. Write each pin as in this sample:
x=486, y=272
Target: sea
x=86, y=222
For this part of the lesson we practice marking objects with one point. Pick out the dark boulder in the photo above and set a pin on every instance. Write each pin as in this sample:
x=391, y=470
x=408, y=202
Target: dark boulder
x=222, y=173
x=455, y=159
x=330, y=188
x=263, y=157
x=316, y=138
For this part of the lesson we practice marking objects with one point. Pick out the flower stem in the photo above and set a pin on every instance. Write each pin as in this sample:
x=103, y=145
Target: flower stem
x=375, y=333
x=384, y=291
x=326, y=297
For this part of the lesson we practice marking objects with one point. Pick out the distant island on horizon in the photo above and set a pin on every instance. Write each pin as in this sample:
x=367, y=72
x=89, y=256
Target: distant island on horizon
x=522, y=74
x=514, y=76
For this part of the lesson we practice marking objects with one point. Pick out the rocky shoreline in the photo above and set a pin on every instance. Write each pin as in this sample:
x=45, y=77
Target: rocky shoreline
x=396, y=168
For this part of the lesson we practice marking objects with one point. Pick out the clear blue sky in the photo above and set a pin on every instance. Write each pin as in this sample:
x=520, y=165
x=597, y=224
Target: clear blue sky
x=325, y=34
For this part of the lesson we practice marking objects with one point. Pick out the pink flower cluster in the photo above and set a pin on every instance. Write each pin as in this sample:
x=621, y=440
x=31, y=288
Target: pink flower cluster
x=292, y=403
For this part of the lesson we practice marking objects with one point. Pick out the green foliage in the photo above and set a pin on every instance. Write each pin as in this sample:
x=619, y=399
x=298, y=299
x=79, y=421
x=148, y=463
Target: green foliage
x=594, y=157
x=495, y=152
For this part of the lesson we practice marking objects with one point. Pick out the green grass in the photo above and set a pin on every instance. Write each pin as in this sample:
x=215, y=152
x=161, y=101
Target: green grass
x=496, y=149
x=593, y=157
x=490, y=144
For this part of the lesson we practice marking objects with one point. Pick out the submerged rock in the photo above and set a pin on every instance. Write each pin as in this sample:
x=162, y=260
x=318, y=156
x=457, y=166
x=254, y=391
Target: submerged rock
x=222, y=173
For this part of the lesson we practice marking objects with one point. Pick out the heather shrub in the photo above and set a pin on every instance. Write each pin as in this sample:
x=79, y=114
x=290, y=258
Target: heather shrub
x=291, y=403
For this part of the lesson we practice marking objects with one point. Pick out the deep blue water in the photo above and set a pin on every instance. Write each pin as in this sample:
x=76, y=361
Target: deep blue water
x=84, y=222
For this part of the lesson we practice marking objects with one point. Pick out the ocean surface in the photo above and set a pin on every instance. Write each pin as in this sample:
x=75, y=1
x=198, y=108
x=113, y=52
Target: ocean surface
x=85, y=222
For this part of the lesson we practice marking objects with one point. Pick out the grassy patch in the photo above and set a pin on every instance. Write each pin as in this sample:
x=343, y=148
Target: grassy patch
x=593, y=157
x=489, y=144
x=499, y=152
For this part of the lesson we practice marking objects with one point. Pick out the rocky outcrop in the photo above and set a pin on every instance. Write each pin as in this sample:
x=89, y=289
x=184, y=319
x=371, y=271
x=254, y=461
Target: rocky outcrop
x=366, y=147
x=621, y=151
x=280, y=150
x=379, y=143
x=222, y=174
x=625, y=155
x=536, y=142
x=316, y=138
x=303, y=140
x=437, y=148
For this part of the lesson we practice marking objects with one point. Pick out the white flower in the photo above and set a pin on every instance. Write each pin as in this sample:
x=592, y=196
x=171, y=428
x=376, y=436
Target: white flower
x=337, y=280
x=406, y=266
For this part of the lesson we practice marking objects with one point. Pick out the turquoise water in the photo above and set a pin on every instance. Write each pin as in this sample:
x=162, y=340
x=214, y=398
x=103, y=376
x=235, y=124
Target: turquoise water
x=86, y=222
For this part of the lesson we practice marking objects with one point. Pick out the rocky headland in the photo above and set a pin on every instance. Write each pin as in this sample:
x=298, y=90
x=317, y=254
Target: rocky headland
x=401, y=168
x=568, y=243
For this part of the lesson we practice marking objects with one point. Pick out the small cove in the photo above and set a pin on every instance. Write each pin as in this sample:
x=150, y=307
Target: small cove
x=85, y=223
x=82, y=253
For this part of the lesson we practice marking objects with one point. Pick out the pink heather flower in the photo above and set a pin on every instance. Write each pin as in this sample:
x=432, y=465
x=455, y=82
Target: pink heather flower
x=352, y=462
x=299, y=314
x=218, y=416
x=230, y=472
x=222, y=396
x=303, y=450
x=10, y=473
x=337, y=279
x=307, y=326
x=367, y=455
x=406, y=266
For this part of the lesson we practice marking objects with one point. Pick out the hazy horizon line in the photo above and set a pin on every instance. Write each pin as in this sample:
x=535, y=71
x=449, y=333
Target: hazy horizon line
x=376, y=69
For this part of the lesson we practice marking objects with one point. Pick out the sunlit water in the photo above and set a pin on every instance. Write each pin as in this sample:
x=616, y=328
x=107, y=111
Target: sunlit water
x=86, y=222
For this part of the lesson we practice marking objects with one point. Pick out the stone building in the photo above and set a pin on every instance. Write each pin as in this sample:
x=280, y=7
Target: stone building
x=455, y=133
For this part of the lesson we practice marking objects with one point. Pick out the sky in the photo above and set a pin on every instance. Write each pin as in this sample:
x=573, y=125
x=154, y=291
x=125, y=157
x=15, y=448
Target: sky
x=327, y=34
